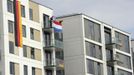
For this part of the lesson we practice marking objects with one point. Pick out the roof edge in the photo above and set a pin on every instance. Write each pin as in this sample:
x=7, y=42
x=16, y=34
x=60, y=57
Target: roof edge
x=75, y=14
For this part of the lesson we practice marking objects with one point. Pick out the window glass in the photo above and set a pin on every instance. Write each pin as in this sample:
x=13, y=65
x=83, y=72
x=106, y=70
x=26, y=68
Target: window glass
x=46, y=21
x=24, y=30
x=25, y=70
x=59, y=54
x=11, y=47
x=49, y=72
x=94, y=68
x=24, y=50
x=122, y=72
x=123, y=60
x=10, y=6
x=93, y=50
x=32, y=33
x=31, y=14
x=12, y=68
x=32, y=53
x=22, y=11
x=122, y=42
x=33, y=71
x=92, y=30
x=109, y=54
x=110, y=70
x=10, y=26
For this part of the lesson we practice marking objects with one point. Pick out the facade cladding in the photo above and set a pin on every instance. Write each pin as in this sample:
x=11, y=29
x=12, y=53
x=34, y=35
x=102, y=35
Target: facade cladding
x=39, y=50
x=92, y=47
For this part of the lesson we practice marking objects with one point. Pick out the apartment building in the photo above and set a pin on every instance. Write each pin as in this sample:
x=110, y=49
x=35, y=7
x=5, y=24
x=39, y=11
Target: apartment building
x=30, y=47
x=92, y=47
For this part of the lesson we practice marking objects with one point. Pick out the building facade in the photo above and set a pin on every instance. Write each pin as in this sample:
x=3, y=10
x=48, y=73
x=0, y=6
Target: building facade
x=92, y=47
x=42, y=50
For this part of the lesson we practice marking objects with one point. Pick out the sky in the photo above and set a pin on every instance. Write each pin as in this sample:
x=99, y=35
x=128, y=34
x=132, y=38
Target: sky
x=118, y=13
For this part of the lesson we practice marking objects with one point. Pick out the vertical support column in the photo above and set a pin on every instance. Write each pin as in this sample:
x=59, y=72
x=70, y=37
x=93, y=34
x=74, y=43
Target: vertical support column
x=131, y=52
x=54, y=56
x=114, y=52
x=103, y=50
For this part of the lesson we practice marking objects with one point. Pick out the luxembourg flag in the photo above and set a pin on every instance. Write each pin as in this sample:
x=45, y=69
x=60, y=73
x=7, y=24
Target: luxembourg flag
x=57, y=26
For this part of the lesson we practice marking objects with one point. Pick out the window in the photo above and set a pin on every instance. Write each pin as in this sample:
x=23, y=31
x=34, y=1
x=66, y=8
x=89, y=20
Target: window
x=24, y=50
x=107, y=36
x=32, y=33
x=60, y=72
x=11, y=47
x=30, y=14
x=25, y=70
x=12, y=68
x=47, y=37
x=22, y=11
x=49, y=72
x=123, y=60
x=94, y=68
x=122, y=42
x=10, y=6
x=35, y=34
x=59, y=54
x=48, y=58
x=110, y=70
x=92, y=30
x=93, y=50
x=24, y=30
x=33, y=71
x=58, y=36
x=32, y=53
x=46, y=21
x=109, y=54
x=10, y=26
x=122, y=72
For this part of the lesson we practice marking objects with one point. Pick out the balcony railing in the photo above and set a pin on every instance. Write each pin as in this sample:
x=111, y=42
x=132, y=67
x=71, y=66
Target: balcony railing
x=59, y=44
x=49, y=63
x=59, y=63
x=47, y=28
x=53, y=43
x=115, y=41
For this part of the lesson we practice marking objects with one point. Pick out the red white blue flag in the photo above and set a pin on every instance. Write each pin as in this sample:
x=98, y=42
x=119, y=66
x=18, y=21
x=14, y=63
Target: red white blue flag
x=57, y=26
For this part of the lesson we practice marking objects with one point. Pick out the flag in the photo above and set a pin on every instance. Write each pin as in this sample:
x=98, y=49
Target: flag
x=57, y=26
x=18, y=23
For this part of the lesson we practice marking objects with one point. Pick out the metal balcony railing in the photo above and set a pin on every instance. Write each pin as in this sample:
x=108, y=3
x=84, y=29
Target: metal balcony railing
x=49, y=63
x=53, y=43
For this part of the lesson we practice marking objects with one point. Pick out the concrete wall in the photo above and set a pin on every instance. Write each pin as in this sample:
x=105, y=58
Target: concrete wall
x=73, y=45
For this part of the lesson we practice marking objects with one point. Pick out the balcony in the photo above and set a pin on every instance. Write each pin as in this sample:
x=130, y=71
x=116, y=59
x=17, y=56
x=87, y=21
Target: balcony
x=115, y=60
x=49, y=64
x=59, y=44
x=48, y=29
x=59, y=63
x=115, y=41
x=50, y=44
